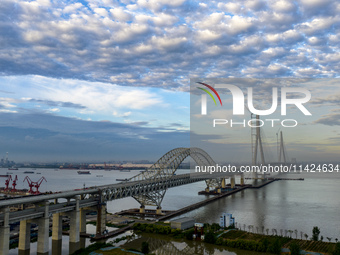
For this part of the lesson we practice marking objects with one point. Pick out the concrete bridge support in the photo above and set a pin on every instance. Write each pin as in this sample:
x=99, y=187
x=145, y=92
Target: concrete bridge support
x=24, y=237
x=232, y=182
x=159, y=210
x=43, y=232
x=101, y=219
x=223, y=186
x=242, y=180
x=4, y=233
x=82, y=227
x=142, y=209
x=57, y=229
x=223, y=183
x=255, y=175
x=74, y=243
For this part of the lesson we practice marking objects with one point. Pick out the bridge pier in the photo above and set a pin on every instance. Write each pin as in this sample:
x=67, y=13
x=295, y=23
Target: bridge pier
x=159, y=210
x=82, y=227
x=142, y=209
x=101, y=219
x=255, y=175
x=223, y=183
x=74, y=243
x=43, y=232
x=57, y=229
x=242, y=180
x=24, y=237
x=232, y=182
x=5, y=233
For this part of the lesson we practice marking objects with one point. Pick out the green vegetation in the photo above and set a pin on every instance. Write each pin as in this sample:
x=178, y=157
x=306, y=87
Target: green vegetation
x=294, y=248
x=210, y=237
x=245, y=240
x=316, y=233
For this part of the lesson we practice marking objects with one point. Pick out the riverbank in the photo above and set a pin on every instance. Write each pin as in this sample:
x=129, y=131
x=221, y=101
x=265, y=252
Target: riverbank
x=243, y=240
x=161, y=237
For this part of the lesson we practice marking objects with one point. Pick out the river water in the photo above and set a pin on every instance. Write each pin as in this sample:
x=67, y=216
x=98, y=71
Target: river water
x=282, y=205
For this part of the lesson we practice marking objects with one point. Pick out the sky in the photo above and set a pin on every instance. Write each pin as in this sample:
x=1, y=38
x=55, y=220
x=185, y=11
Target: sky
x=105, y=80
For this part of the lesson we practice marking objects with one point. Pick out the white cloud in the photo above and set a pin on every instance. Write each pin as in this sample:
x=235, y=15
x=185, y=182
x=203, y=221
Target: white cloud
x=138, y=43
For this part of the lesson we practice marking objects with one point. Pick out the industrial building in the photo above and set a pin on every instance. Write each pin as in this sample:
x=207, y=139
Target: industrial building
x=182, y=223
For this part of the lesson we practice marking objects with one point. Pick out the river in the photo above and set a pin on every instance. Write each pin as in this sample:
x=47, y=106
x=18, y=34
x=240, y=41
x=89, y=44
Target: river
x=287, y=205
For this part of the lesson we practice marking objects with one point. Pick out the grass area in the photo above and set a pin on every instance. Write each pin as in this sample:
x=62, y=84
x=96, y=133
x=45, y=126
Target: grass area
x=285, y=242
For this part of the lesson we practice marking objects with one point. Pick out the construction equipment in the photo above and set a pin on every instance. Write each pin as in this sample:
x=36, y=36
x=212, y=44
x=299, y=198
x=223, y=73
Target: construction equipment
x=9, y=178
x=14, y=183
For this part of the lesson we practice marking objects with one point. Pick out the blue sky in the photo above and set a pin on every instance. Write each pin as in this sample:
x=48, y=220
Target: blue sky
x=109, y=80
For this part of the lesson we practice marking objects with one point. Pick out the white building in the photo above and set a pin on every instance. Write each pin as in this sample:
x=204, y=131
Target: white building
x=227, y=220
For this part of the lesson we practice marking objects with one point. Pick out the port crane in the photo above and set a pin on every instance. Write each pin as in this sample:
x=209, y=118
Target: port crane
x=35, y=185
x=14, y=183
x=9, y=178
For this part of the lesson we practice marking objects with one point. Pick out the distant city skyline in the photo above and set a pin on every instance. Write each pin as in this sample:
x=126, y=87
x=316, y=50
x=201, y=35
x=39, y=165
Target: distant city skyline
x=109, y=80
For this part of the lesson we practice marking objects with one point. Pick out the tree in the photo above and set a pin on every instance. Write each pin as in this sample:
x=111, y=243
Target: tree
x=294, y=248
x=275, y=247
x=296, y=233
x=306, y=236
x=336, y=240
x=321, y=238
x=316, y=233
x=329, y=239
x=290, y=233
x=215, y=227
x=145, y=247
x=210, y=237
x=267, y=230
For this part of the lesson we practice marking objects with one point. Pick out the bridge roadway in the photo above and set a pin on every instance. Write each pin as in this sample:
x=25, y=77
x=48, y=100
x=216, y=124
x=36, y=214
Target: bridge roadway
x=89, y=197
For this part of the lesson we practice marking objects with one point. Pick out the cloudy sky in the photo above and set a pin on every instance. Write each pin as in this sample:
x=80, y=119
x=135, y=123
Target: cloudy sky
x=109, y=80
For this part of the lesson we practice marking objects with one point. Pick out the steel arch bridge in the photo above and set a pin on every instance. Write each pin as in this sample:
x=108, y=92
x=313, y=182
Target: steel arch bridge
x=165, y=168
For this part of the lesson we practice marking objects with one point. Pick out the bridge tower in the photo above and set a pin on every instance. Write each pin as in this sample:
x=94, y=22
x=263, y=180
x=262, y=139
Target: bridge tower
x=282, y=149
x=256, y=141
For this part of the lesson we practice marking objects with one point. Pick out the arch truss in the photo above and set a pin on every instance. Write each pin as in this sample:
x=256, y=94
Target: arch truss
x=166, y=167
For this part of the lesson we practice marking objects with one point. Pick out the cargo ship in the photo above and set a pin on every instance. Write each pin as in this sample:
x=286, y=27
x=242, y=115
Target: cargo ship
x=83, y=172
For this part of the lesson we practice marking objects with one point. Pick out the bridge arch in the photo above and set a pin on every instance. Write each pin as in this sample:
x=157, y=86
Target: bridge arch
x=166, y=167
